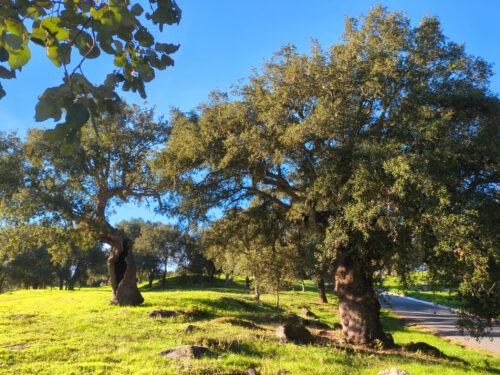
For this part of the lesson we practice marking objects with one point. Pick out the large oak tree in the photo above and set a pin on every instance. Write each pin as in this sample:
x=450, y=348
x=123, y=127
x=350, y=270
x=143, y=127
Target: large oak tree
x=385, y=144
x=111, y=166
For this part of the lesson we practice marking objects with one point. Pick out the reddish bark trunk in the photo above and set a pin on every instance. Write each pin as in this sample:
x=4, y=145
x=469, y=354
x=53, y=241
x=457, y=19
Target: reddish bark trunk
x=359, y=308
x=321, y=290
x=122, y=274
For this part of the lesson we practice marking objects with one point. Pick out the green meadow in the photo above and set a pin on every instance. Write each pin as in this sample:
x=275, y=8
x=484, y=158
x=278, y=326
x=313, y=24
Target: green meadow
x=79, y=332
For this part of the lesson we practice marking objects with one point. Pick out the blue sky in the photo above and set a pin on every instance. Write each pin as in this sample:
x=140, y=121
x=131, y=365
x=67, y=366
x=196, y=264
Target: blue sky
x=222, y=40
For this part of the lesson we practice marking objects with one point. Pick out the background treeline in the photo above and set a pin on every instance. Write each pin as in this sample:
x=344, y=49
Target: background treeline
x=241, y=246
x=159, y=250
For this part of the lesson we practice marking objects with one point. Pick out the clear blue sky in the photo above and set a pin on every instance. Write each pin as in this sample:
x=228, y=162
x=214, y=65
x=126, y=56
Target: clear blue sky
x=222, y=40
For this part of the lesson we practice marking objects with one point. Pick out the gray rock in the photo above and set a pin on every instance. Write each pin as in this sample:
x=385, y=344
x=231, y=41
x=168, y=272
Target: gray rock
x=308, y=314
x=186, y=352
x=162, y=313
x=251, y=371
x=296, y=333
x=190, y=328
x=393, y=371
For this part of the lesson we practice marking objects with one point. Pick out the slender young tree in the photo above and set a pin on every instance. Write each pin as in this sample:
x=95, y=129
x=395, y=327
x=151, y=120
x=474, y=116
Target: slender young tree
x=386, y=144
x=111, y=166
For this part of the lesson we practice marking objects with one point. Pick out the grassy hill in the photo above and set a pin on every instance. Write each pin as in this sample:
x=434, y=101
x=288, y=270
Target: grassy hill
x=78, y=332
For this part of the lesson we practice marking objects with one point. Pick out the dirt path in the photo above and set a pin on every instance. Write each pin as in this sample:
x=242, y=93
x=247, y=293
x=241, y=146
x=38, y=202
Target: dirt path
x=438, y=319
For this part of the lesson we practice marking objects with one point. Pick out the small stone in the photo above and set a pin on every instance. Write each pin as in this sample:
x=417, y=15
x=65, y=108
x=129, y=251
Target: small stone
x=251, y=371
x=162, y=313
x=186, y=352
x=294, y=333
x=305, y=313
x=393, y=371
x=190, y=328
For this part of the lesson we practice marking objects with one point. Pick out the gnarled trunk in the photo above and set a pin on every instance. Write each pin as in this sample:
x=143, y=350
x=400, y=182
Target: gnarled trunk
x=122, y=274
x=359, y=308
x=256, y=289
x=321, y=290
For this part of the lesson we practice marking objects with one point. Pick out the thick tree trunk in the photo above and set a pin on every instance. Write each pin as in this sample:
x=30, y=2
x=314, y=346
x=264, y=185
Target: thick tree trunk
x=247, y=282
x=359, y=308
x=122, y=274
x=303, y=286
x=151, y=278
x=226, y=282
x=256, y=289
x=321, y=290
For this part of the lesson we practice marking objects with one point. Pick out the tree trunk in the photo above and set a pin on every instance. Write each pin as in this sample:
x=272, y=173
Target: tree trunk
x=226, y=282
x=277, y=299
x=321, y=290
x=256, y=288
x=122, y=274
x=151, y=277
x=359, y=308
x=164, y=277
x=247, y=282
x=303, y=286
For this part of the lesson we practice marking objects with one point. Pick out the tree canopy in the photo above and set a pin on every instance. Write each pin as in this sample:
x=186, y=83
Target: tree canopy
x=385, y=146
x=74, y=31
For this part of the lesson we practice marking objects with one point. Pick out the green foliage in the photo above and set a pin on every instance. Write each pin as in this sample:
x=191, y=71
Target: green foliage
x=67, y=29
x=384, y=146
x=156, y=246
x=253, y=242
x=38, y=257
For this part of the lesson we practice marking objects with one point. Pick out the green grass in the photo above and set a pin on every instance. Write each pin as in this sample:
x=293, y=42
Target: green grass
x=64, y=332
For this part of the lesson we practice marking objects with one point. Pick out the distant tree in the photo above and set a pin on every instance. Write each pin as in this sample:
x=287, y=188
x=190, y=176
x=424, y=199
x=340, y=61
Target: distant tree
x=386, y=144
x=161, y=242
x=253, y=241
x=111, y=165
x=81, y=31
x=35, y=256
x=31, y=268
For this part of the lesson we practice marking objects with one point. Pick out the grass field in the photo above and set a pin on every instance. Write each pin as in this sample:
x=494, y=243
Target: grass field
x=78, y=332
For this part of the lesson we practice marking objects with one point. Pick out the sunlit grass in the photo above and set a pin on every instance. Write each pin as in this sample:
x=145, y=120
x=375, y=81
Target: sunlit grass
x=63, y=332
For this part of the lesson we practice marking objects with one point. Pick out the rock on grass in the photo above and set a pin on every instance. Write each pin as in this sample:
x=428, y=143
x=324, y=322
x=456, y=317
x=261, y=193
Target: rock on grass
x=296, y=333
x=393, y=371
x=186, y=352
x=162, y=313
x=237, y=322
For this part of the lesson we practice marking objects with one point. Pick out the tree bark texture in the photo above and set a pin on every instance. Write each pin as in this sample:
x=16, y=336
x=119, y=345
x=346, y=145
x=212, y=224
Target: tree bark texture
x=256, y=289
x=321, y=290
x=247, y=282
x=359, y=308
x=122, y=274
